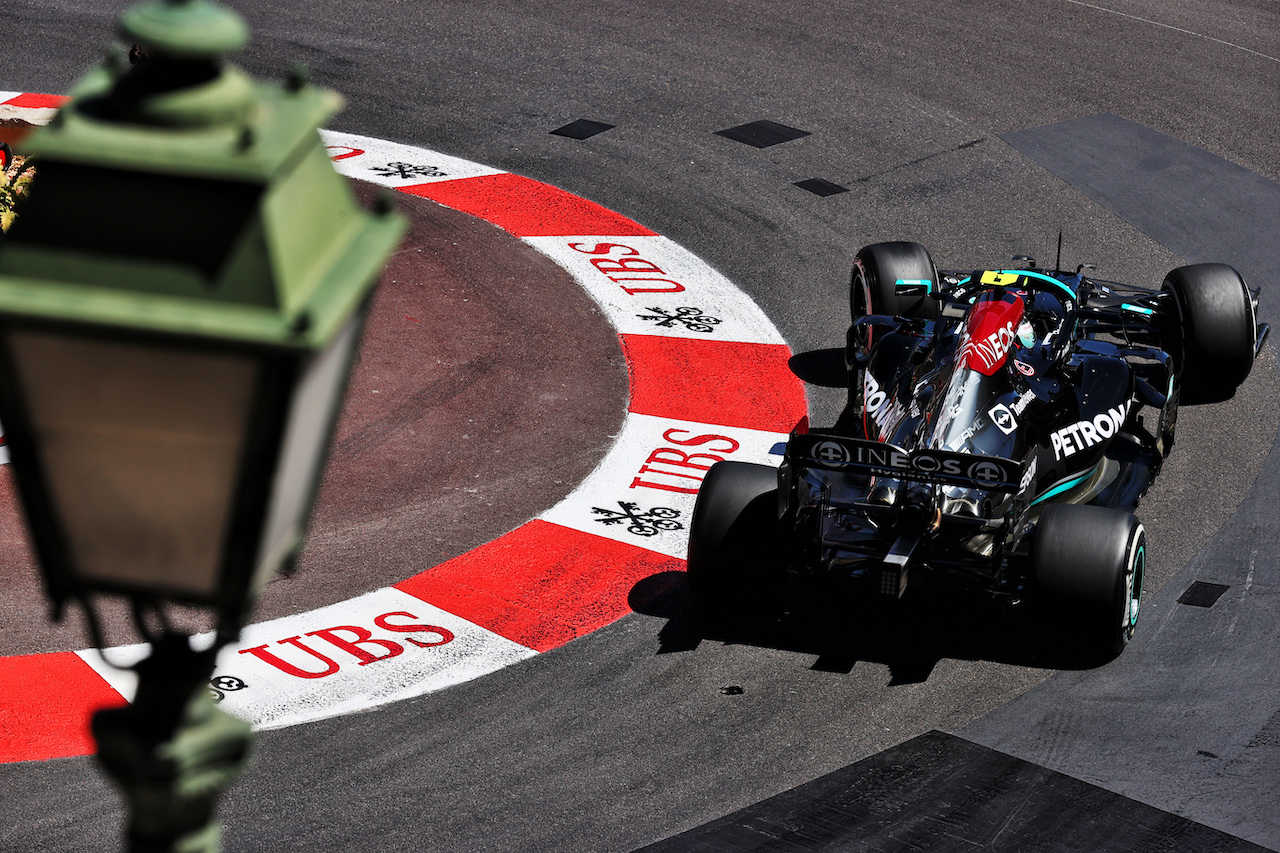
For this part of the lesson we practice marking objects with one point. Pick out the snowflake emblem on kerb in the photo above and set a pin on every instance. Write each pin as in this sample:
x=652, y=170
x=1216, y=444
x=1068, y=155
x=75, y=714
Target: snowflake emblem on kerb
x=691, y=318
x=408, y=171
x=642, y=522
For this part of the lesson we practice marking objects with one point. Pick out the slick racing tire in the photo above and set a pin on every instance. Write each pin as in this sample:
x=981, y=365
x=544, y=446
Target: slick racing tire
x=882, y=271
x=736, y=560
x=1210, y=332
x=1088, y=565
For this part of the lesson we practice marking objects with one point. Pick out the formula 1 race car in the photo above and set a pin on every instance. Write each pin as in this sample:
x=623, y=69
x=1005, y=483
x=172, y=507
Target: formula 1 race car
x=1001, y=427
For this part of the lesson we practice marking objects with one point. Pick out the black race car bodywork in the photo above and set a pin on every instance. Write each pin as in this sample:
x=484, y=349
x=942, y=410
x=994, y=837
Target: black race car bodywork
x=1001, y=428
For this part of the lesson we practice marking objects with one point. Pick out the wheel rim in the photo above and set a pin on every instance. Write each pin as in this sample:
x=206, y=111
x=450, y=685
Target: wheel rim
x=1133, y=580
x=864, y=292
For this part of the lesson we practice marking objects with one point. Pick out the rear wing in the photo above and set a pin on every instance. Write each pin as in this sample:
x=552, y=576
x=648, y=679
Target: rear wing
x=838, y=453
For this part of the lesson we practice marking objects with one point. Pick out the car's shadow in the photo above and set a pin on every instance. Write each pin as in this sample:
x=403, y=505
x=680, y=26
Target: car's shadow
x=823, y=367
x=840, y=630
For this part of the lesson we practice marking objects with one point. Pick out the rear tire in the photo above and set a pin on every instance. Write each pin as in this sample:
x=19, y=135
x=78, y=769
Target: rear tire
x=1088, y=564
x=1211, y=333
x=736, y=558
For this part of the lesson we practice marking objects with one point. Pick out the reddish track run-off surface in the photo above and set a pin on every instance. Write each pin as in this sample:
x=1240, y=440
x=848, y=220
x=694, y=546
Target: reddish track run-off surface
x=708, y=380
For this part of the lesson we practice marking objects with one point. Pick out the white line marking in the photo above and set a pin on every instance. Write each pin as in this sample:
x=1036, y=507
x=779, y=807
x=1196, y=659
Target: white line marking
x=1172, y=27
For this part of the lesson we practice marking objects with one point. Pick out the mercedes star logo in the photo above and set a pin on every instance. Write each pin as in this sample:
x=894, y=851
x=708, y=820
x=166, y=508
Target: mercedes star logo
x=830, y=451
x=986, y=472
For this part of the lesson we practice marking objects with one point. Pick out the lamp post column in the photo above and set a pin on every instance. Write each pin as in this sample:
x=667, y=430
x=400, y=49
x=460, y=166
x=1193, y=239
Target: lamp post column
x=172, y=753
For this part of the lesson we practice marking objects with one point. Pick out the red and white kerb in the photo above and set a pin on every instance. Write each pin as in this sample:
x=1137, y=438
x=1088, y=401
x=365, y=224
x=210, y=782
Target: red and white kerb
x=709, y=381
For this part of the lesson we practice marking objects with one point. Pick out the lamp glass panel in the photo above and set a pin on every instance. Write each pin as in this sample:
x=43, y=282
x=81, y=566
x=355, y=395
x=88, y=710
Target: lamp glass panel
x=140, y=446
x=312, y=412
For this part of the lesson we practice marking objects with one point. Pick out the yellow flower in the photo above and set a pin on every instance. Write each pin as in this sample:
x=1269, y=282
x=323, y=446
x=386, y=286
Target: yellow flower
x=13, y=186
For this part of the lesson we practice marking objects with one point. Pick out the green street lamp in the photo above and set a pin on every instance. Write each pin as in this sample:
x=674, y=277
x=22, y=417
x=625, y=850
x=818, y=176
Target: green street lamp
x=181, y=297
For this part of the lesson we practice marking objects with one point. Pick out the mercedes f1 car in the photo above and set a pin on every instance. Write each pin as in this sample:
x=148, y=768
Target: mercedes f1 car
x=1001, y=428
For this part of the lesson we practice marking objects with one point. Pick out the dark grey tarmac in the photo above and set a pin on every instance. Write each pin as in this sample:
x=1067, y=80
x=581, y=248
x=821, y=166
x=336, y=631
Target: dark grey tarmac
x=922, y=111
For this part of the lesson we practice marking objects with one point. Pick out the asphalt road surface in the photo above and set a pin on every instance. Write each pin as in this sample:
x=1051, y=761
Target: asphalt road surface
x=929, y=115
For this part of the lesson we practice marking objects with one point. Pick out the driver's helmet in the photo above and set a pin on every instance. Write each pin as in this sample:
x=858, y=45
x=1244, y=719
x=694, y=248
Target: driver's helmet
x=1044, y=311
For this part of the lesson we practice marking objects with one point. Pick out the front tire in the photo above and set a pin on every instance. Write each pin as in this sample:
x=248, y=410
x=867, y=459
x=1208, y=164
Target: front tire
x=1089, y=564
x=877, y=271
x=1211, y=332
x=736, y=556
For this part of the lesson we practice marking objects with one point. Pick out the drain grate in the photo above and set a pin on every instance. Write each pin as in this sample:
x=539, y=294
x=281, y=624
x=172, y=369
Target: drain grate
x=818, y=186
x=1269, y=734
x=762, y=133
x=1201, y=594
x=583, y=128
